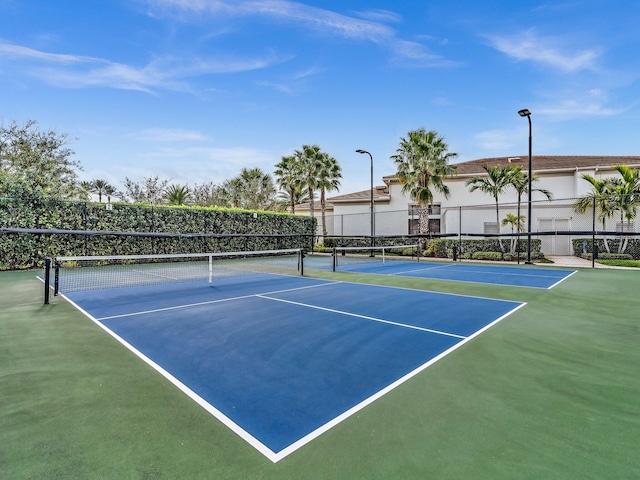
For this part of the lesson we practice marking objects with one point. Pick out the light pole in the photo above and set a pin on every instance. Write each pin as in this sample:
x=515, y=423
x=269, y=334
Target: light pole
x=526, y=113
x=371, y=202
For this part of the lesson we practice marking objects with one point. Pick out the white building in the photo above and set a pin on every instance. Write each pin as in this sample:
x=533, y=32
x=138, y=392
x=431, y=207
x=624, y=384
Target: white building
x=474, y=212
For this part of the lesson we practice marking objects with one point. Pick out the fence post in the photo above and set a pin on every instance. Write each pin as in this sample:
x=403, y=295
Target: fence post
x=594, y=247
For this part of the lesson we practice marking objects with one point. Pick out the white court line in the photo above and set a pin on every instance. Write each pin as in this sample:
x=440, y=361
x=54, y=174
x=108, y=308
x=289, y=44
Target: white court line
x=250, y=439
x=210, y=302
x=413, y=327
x=422, y=269
x=154, y=274
x=562, y=280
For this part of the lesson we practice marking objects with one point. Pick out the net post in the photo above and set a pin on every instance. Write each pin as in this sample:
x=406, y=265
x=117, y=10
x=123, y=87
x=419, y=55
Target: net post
x=383, y=250
x=47, y=279
x=210, y=269
x=56, y=277
x=301, y=261
x=335, y=259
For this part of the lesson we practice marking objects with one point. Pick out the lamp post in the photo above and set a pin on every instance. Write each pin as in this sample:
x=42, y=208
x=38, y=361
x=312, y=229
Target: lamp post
x=371, y=202
x=526, y=113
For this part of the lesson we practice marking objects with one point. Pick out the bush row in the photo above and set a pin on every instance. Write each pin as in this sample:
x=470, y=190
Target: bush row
x=27, y=250
x=584, y=247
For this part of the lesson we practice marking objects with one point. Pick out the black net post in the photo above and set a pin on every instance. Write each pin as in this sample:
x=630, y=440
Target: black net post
x=47, y=276
x=56, y=278
x=301, y=261
x=335, y=258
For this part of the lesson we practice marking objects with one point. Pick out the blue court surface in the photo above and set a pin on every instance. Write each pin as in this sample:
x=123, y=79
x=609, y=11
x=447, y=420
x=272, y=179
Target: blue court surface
x=525, y=276
x=280, y=359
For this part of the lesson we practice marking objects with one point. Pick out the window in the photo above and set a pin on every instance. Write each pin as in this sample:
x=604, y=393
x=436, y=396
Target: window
x=625, y=226
x=491, y=228
x=433, y=210
x=434, y=226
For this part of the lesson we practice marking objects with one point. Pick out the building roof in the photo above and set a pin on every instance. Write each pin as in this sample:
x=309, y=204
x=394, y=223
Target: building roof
x=541, y=163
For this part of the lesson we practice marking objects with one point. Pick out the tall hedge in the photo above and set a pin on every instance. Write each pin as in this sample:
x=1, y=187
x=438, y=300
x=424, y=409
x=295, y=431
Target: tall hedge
x=27, y=250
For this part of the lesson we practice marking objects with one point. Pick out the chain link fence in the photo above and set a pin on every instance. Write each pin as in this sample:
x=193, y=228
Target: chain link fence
x=570, y=226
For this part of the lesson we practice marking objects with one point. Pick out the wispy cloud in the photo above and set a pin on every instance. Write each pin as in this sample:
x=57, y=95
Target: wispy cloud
x=368, y=28
x=529, y=46
x=495, y=140
x=76, y=71
x=169, y=135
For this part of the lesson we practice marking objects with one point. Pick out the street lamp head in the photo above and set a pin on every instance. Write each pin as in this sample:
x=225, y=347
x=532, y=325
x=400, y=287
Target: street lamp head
x=361, y=151
x=524, y=112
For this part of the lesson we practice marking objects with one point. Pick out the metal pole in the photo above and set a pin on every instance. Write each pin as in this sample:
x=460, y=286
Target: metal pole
x=529, y=205
x=371, y=201
x=526, y=113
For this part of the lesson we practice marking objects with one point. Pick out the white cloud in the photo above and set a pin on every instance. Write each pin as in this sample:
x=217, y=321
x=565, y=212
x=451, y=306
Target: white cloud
x=495, y=140
x=319, y=20
x=528, y=46
x=74, y=71
x=169, y=135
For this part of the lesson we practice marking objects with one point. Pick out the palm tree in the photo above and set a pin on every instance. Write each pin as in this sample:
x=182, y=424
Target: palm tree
x=517, y=223
x=627, y=195
x=99, y=187
x=329, y=175
x=109, y=190
x=289, y=177
x=310, y=157
x=519, y=180
x=86, y=189
x=422, y=163
x=600, y=198
x=177, y=194
x=498, y=178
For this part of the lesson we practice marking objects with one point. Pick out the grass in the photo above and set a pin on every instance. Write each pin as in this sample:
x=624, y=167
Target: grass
x=550, y=392
x=620, y=263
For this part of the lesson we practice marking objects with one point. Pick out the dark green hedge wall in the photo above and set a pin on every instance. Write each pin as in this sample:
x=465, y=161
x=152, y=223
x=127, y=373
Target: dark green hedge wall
x=27, y=250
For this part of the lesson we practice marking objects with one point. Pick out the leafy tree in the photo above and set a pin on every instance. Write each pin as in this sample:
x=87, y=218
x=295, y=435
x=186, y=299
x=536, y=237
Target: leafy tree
x=109, y=191
x=289, y=178
x=177, y=194
x=35, y=163
x=252, y=189
x=85, y=188
x=150, y=190
x=496, y=181
x=207, y=195
x=422, y=162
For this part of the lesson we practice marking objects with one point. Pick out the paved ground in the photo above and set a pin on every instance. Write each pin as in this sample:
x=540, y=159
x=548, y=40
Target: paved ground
x=571, y=261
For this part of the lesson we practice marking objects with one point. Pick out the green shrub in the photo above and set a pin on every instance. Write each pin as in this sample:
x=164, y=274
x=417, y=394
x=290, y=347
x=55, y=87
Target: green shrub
x=614, y=256
x=487, y=256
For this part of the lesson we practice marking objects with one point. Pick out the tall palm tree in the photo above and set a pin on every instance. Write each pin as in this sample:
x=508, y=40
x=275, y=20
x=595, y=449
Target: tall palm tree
x=109, y=190
x=177, y=194
x=310, y=158
x=496, y=181
x=289, y=177
x=422, y=162
x=519, y=180
x=329, y=175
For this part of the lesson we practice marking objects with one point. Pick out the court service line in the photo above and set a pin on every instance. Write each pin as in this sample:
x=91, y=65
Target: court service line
x=154, y=274
x=210, y=302
x=357, y=315
x=423, y=269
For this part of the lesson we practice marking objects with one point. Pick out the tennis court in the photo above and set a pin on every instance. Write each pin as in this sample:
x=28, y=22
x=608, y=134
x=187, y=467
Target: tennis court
x=280, y=359
x=376, y=260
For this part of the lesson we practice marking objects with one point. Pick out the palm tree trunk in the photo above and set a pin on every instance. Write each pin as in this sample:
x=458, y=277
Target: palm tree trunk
x=323, y=208
x=292, y=194
x=423, y=226
x=498, y=225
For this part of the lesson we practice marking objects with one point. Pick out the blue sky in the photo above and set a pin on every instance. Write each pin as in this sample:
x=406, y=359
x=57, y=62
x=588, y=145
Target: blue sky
x=195, y=90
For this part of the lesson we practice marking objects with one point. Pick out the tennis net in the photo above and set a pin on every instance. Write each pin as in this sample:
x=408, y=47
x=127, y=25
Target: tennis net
x=101, y=272
x=377, y=255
